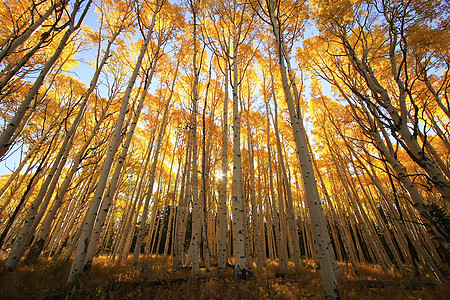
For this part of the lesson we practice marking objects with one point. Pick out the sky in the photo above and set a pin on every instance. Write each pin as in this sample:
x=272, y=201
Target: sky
x=84, y=73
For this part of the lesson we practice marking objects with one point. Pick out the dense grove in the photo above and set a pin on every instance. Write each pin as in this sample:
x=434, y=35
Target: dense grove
x=296, y=146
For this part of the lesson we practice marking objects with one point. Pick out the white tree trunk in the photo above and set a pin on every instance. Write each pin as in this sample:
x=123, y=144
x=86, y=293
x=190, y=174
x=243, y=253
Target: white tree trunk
x=8, y=133
x=323, y=246
x=237, y=194
x=7, y=50
x=83, y=244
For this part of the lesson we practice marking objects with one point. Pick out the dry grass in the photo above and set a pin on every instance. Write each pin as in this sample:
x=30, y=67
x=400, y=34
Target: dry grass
x=154, y=279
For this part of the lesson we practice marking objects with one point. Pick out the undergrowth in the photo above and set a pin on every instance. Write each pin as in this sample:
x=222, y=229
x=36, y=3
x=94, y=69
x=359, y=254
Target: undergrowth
x=154, y=278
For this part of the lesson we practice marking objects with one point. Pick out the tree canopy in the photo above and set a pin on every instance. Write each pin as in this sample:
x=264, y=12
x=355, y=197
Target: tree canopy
x=226, y=131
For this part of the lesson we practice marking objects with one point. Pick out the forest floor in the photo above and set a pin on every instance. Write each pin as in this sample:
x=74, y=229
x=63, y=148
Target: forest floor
x=154, y=278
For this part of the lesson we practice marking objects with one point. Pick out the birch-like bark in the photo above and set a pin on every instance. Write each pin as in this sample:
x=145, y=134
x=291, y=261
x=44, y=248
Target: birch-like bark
x=255, y=222
x=8, y=133
x=45, y=229
x=387, y=152
x=37, y=174
x=346, y=242
x=203, y=190
x=82, y=248
x=19, y=40
x=280, y=244
x=223, y=228
x=196, y=235
x=182, y=210
x=287, y=186
x=262, y=230
x=237, y=193
x=171, y=225
x=39, y=205
x=108, y=198
x=124, y=244
x=323, y=247
x=399, y=119
x=149, y=193
x=23, y=162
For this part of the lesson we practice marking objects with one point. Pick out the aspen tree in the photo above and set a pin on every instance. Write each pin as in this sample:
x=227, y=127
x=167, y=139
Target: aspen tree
x=237, y=194
x=82, y=248
x=41, y=201
x=223, y=216
x=219, y=42
x=287, y=186
x=18, y=183
x=30, y=153
x=108, y=197
x=8, y=133
x=10, y=44
x=271, y=14
x=388, y=103
x=159, y=227
x=37, y=208
x=172, y=217
x=158, y=210
x=255, y=217
x=125, y=241
x=182, y=210
x=196, y=235
x=148, y=194
x=376, y=130
x=204, y=171
x=280, y=244
x=262, y=232
x=33, y=180
x=346, y=242
x=45, y=229
x=14, y=67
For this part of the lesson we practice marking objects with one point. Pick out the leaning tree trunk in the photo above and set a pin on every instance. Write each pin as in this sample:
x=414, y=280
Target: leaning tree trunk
x=38, y=244
x=321, y=236
x=8, y=133
x=398, y=121
x=32, y=151
x=37, y=174
x=19, y=40
x=106, y=202
x=36, y=210
x=141, y=231
x=287, y=185
x=83, y=244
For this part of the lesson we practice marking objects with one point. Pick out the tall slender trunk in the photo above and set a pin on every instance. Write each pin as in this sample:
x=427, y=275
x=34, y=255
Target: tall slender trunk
x=8, y=133
x=196, y=235
x=23, y=162
x=19, y=40
x=287, y=186
x=321, y=236
x=37, y=246
x=398, y=119
x=25, y=197
x=237, y=193
x=223, y=228
x=141, y=231
x=255, y=220
x=276, y=214
x=82, y=248
x=182, y=210
x=106, y=202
